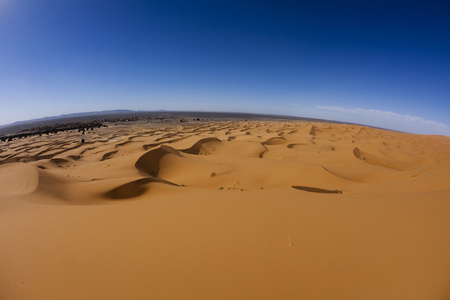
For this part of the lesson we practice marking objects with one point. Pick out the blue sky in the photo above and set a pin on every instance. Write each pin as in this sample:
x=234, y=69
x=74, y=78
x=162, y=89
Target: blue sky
x=381, y=63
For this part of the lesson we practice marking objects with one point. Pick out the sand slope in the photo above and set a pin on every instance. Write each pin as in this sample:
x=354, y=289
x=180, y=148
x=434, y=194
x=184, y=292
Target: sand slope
x=226, y=210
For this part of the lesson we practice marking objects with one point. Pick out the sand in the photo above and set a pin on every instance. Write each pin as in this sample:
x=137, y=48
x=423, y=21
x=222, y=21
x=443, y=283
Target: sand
x=226, y=210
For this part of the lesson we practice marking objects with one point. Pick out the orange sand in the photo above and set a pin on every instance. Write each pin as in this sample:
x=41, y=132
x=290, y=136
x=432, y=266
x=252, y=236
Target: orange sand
x=209, y=211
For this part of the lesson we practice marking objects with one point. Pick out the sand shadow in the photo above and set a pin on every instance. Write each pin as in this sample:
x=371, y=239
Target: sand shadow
x=316, y=190
x=134, y=189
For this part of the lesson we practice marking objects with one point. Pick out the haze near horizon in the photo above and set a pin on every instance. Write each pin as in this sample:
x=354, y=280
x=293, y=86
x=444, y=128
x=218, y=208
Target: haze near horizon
x=382, y=64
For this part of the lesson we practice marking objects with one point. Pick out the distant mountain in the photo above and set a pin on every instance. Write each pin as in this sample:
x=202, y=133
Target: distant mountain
x=73, y=115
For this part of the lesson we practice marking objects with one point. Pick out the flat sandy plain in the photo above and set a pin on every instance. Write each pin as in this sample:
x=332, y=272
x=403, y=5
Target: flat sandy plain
x=226, y=210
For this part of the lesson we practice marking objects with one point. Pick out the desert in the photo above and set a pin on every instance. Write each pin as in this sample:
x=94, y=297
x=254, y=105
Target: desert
x=225, y=210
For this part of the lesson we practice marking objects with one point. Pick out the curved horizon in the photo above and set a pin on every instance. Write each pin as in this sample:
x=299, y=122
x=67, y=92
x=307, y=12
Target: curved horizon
x=383, y=64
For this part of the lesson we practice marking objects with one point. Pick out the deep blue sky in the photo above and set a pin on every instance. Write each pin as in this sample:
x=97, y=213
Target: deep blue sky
x=382, y=63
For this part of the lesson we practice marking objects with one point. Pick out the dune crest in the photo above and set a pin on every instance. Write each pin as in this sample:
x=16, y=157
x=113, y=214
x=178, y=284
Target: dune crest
x=197, y=148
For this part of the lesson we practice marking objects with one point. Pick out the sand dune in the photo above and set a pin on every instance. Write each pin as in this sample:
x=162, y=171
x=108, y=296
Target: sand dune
x=18, y=178
x=148, y=164
x=377, y=161
x=225, y=210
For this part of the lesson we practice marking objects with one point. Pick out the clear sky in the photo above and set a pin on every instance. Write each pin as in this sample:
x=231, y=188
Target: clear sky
x=381, y=63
